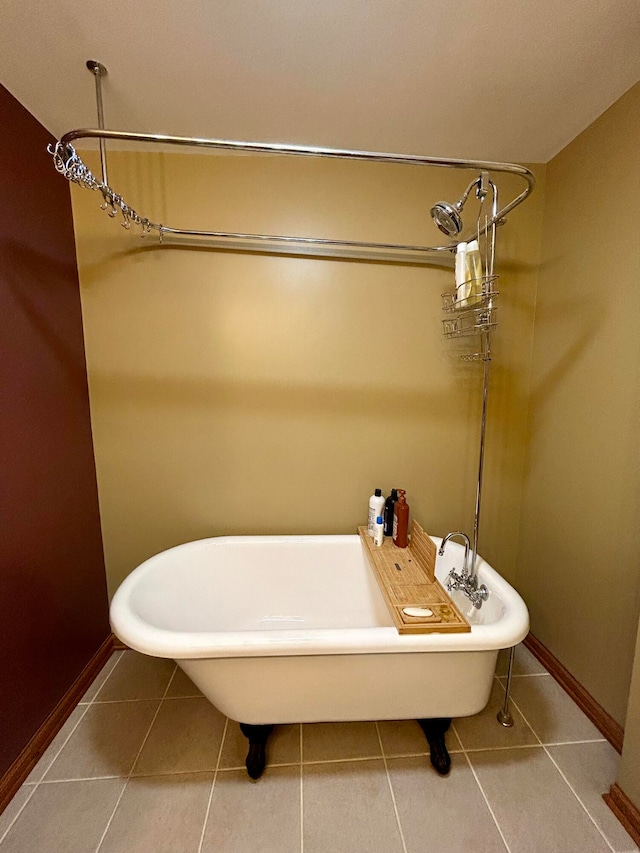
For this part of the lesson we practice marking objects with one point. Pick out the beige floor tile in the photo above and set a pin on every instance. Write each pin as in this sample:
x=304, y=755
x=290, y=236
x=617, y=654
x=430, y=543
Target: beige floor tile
x=524, y=662
x=591, y=769
x=13, y=809
x=405, y=737
x=283, y=746
x=160, y=814
x=185, y=737
x=483, y=731
x=68, y=817
x=535, y=808
x=339, y=741
x=105, y=742
x=56, y=744
x=137, y=677
x=448, y=815
x=552, y=714
x=255, y=818
x=182, y=686
x=348, y=808
x=102, y=676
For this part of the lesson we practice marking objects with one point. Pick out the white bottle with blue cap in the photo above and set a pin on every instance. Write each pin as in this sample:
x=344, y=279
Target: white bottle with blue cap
x=376, y=508
x=378, y=531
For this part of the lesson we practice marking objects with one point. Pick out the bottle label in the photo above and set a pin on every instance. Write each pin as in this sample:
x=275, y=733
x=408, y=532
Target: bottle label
x=371, y=521
x=395, y=526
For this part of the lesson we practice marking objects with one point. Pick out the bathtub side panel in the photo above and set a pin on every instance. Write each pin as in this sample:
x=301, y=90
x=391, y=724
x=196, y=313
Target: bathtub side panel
x=333, y=688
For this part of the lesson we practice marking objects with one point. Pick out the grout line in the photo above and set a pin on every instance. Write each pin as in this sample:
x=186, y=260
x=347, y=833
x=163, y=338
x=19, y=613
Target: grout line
x=109, y=674
x=66, y=741
x=213, y=784
x=211, y=770
x=503, y=748
x=525, y=721
x=393, y=797
x=146, y=737
x=144, y=699
x=126, y=701
x=569, y=785
x=367, y=758
x=278, y=764
x=345, y=760
x=19, y=812
x=575, y=794
x=86, y=705
x=130, y=774
x=156, y=774
x=394, y=755
x=571, y=742
x=301, y=794
x=190, y=696
x=342, y=760
x=486, y=799
x=80, y=779
x=106, y=829
x=457, y=737
x=484, y=796
x=34, y=785
x=524, y=675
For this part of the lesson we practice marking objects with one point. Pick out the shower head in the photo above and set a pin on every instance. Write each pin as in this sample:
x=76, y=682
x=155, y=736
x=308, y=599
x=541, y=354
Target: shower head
x=447, y=216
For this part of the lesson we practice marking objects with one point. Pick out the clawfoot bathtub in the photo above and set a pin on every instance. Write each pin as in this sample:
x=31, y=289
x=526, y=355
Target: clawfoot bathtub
x=286, y=629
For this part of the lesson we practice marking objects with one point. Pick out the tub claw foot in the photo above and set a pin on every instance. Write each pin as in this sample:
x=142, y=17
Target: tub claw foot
x=256, y=757
x=435, y=730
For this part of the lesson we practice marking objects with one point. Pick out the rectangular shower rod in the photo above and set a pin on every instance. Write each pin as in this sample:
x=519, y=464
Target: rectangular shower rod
x=70, y=164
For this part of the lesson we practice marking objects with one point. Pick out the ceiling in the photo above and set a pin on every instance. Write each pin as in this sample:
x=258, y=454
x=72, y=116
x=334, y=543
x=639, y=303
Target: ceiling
x=511, y=80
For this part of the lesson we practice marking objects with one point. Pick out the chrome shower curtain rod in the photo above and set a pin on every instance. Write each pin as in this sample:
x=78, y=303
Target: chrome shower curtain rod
x=69, y=163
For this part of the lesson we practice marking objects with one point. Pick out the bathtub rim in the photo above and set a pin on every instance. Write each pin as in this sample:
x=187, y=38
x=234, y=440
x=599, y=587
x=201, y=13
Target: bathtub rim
x=143, y=637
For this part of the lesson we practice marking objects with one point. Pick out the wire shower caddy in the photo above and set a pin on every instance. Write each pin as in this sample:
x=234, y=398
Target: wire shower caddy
x=470, y=308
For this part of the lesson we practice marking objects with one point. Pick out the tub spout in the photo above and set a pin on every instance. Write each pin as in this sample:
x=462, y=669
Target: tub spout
x=466, y=580
x=467, y=546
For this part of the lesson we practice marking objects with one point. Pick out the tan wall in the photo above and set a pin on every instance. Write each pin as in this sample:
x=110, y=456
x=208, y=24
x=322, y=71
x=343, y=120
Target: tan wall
x=233, y=393
x=578, y=566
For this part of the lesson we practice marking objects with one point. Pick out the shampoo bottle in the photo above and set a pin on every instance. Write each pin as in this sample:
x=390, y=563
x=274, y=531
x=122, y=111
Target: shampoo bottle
x=473, y=262
x=378, y=532
x=462, y=288
x=389, y=505
x=401, y=521
x=376, y=508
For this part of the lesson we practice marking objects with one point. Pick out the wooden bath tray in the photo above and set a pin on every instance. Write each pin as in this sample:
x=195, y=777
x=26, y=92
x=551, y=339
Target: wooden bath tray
x=406, y=577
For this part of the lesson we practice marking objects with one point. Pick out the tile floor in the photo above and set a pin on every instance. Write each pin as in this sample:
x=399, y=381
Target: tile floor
x=145, y=764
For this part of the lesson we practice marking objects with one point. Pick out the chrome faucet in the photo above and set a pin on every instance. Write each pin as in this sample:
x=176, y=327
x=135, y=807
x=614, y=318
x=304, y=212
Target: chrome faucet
x=467, y=547
x=466, y=580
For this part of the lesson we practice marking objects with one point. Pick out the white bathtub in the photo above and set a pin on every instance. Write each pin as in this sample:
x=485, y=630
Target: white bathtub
x=284, y=629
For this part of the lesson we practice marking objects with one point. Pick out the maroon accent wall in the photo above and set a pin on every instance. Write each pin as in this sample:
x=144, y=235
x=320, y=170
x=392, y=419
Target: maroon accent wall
x=53, y=598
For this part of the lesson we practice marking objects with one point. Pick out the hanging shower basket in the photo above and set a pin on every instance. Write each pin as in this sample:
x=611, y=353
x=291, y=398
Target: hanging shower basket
x=475, y=293
x=470, y=308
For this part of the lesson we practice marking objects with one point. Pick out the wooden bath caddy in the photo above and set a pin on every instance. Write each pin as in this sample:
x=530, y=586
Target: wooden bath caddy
x=406, y=577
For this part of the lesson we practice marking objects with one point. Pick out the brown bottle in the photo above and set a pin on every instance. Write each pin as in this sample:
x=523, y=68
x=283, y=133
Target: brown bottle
x=401, y=520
